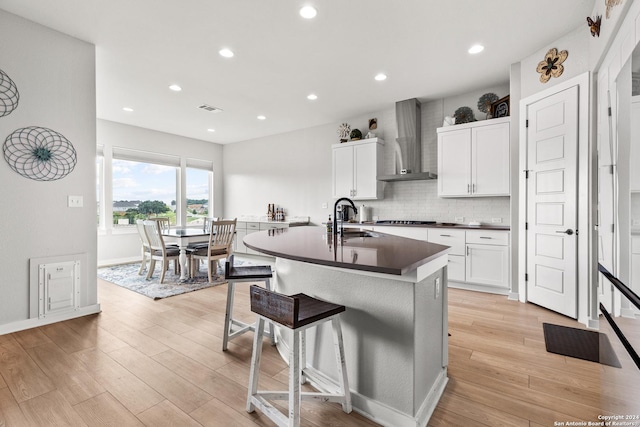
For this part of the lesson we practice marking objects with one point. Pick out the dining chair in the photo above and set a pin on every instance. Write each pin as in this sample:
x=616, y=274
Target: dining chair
x=145, y=245
x=158, y=250
x=220, y=246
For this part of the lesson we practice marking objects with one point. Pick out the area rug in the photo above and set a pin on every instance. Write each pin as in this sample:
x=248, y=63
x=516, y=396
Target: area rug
x=126, y=276
x=579, y=343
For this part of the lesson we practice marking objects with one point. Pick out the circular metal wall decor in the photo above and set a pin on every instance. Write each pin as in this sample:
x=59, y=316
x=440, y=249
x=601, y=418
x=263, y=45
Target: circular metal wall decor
x=39, y=153
x=9, y=95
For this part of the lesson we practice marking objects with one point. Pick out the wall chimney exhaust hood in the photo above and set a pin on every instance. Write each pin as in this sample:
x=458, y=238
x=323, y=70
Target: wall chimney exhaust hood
x=408, y=144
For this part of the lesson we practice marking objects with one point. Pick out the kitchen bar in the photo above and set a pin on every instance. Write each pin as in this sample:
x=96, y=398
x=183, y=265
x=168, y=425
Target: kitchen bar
x=395, y=325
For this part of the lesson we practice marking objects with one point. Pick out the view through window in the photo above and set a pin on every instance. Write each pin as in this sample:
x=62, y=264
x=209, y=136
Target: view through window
x=142, y=190
x=197, y=195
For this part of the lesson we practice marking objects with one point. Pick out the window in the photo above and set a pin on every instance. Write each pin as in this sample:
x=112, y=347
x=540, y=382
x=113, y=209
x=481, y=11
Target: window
x=198, y=192
x=142, y=190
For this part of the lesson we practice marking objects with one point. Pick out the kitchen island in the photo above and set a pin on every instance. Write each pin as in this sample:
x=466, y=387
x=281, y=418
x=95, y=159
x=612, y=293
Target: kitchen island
x=395, y=324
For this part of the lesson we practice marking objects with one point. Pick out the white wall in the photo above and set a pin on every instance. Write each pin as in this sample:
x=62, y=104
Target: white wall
x=124, y=246
x=55, y=75
x=293, y=170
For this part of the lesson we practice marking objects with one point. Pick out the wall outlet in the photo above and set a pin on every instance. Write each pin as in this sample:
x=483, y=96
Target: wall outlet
x=324, y=206
x=74, y=201
x=459, y=219
x=436, y=288
x=496, y=220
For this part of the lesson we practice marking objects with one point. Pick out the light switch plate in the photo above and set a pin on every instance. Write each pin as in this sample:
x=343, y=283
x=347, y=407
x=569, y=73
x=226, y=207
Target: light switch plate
x=75, y=201
x=496, y=220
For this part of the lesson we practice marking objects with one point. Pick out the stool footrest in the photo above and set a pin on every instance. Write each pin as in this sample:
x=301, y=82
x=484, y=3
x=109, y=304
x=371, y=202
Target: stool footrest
x=320, y=381
x=305, y=395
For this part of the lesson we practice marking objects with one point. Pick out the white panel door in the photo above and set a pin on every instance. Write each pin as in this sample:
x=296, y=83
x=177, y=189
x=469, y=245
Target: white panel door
x=342, y=172
x=490, y=160
x=552, y=151
x=454, y=163
x=365, y=180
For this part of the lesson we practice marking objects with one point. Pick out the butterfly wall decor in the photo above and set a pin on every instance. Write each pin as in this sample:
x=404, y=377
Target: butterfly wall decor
x=594, y=25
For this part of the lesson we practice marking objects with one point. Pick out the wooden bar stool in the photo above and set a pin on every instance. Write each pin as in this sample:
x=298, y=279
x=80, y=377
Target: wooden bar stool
x=297, y=313
x=233, y=274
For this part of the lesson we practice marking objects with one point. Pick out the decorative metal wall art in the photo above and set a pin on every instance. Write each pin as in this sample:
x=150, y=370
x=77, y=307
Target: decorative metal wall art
x=9, y=95
x=344, y=130
x=485, y=101
x=551, y=65
x=610, y=5
x=39, y=153
x=594, y=25
x=464, y=115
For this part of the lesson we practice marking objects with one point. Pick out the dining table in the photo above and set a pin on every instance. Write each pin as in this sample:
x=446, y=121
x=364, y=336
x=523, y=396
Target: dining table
x=183, y=236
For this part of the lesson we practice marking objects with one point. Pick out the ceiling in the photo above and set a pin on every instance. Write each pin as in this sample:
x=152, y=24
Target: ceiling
x=143, y=46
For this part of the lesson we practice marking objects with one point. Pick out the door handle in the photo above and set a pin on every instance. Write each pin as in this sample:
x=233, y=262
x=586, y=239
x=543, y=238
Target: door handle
x=567, y=231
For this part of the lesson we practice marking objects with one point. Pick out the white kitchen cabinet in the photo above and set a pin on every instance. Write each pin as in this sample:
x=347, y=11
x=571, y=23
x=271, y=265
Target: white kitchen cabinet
x=355, y=169
x=456, y=240
x=487, y=258
x=473, y=159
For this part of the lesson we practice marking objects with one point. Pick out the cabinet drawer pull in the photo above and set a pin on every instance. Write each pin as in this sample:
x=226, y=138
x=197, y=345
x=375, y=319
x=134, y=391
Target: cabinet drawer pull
x=445, y=235
x=468, y=188
x=483, y=237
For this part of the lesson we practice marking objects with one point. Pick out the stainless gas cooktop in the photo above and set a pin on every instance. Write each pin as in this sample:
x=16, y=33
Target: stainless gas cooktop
x=404, y=222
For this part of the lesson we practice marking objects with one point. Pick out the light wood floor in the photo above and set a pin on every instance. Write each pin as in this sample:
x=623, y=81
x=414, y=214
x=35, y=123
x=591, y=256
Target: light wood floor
x=159, y=363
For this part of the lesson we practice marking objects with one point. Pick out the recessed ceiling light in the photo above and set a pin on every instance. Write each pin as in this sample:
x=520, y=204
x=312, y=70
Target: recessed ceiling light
x=262, y=117
x=127, y=109
x=175, y=88
x=380, y=77
x=308, y=12
x=312, y=96
x=211, y=130
x=476, y=48
x=227, y=53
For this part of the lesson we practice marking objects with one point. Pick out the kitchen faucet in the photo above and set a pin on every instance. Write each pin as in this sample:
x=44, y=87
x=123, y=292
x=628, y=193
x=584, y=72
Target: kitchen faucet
x=335, y=217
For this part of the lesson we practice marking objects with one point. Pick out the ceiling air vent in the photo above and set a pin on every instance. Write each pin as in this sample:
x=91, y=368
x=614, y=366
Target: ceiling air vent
x=210, y=108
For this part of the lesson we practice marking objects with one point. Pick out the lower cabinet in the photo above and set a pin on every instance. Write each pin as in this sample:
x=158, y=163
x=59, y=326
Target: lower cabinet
x=244, y=228
x=488, y=265
x=478, y=259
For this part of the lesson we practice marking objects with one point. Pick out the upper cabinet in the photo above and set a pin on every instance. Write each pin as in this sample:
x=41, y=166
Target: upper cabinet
x=473, y=159
x=355, y=169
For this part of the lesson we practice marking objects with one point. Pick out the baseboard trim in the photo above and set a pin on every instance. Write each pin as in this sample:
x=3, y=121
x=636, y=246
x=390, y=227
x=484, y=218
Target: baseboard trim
x=117, y=261
x=21, y=325
x=479, y=288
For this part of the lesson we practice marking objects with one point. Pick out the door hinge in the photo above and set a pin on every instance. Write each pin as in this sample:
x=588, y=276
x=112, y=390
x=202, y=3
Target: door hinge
x=526, y=123
x=526, y=225
x=526, y=174
x=609, y=111
x=526, y=277
x=611, y=169
x=613, y=228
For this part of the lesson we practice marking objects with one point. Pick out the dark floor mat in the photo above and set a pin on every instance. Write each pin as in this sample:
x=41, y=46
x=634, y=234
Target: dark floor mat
x=579, y=343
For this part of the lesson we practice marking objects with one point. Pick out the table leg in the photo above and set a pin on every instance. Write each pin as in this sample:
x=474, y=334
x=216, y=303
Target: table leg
x=184, y=272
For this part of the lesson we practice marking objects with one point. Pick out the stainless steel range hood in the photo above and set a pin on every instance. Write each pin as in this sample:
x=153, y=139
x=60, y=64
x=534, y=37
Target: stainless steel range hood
x=408, y=144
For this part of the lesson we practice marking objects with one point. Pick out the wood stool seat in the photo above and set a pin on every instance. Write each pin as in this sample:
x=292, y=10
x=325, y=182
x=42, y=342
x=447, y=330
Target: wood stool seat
x=297, y=313
x=233, y=328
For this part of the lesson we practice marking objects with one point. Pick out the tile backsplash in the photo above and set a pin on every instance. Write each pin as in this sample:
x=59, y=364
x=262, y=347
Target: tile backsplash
x=418, y=200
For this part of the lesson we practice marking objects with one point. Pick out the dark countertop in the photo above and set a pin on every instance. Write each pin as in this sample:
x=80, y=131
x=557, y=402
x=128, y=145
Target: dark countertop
x=383, y=253
x=437, y=225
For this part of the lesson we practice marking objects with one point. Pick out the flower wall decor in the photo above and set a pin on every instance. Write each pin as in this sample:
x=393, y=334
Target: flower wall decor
x=39, y=153
x=551, y=65
x=610, y=5
x=9, y=95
